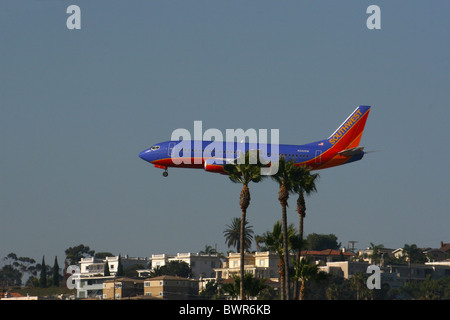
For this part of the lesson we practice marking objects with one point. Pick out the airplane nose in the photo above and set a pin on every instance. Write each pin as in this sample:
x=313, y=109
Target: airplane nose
x=144, y=155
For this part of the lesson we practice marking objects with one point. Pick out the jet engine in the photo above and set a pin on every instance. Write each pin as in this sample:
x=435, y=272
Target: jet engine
x=214, y=165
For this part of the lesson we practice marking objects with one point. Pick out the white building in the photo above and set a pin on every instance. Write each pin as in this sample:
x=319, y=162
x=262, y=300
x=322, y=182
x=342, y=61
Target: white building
x=345, y=269
x=90, y=286
x=263, y=265
x=202, y=265
x=95, y=266
x=159, y=260
x=89, y=282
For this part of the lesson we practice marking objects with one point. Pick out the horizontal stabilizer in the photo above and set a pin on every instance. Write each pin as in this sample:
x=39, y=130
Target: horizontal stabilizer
x=351, y=152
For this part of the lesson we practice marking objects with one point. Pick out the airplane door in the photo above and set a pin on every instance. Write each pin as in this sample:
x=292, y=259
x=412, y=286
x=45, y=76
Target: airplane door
x=318, y=156
x=170, y=148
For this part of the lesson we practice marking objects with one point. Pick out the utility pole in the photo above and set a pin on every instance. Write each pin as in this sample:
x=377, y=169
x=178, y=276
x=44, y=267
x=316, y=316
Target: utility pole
x=352, y=242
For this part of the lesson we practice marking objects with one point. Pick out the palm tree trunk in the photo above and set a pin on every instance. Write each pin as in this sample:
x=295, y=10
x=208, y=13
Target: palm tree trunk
x=303, y=291
x=241, y=249
x=283, y=196
x=282, y=282
x=244, y=202
x=285, y=253
x=301, y=209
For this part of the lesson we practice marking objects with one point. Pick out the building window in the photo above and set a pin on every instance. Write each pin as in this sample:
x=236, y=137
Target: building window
x=147, y=283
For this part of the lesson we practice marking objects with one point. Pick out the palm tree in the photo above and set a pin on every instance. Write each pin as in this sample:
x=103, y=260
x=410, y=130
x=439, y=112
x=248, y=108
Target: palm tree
x=274, y=242
x=208, y=250
x=304, y=184
x=286, y=176
x=304, y=272
x=244, y=173
x=414, y=254
x=258, y=240
x=376, y=255
x=233, y=288
x=253, y=286
x=233, y=231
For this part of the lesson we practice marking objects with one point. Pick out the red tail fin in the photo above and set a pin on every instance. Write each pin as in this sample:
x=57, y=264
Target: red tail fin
x=349, y=133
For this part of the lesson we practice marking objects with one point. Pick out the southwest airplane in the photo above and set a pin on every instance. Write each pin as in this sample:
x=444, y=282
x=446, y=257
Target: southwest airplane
x=341, y=147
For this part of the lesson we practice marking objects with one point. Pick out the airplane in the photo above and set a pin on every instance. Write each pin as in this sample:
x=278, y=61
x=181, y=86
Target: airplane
x=341, y=147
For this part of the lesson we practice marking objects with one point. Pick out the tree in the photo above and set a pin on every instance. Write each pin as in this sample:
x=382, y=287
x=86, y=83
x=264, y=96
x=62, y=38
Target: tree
x=358, y=284
x=376, y=255
x=304, y=272
x=119, y=268
x=234, y=288
x=253, y=287
x=320, y=242
x=274, y=242
x=16, y=269
x=429, y=289
x=244, y=173
x=43, y=277
x=232, y=234
x=74, y=254
x=208, y=250
x=213, y=251
x=211, y=290
x=106, y=271
x=103, y=255
x=285, y=177
x=131, y=271
x=56, y=273
x=9, y=276
x=414, y=254
x=304, y=184
x=174, y=268
x=156, y=272
x=259, y=239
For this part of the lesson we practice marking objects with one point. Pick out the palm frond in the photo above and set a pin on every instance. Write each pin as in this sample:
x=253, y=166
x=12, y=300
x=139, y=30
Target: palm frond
x=245, y=171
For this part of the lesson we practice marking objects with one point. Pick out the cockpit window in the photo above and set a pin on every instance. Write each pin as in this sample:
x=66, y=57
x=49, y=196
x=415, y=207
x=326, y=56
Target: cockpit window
x=154, y=148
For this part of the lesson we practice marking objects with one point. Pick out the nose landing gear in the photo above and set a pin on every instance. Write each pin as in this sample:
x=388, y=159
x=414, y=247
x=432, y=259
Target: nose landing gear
x=165, y=173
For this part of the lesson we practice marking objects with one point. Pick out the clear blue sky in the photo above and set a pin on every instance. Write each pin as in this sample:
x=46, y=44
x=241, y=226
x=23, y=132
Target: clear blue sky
x=77, y=106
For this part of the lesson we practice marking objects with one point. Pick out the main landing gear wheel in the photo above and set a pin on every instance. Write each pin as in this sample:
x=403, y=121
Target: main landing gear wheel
x=165, y=173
